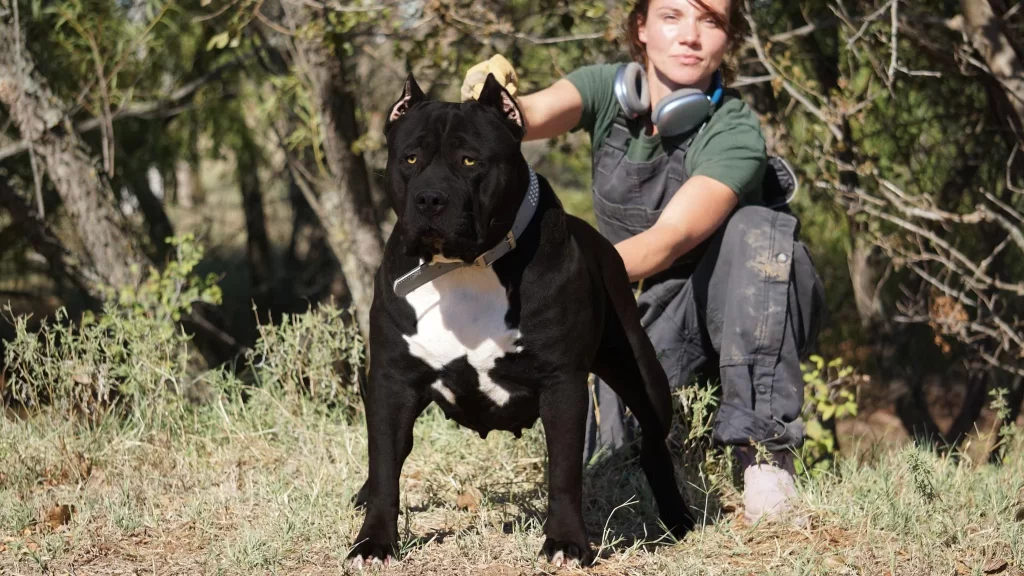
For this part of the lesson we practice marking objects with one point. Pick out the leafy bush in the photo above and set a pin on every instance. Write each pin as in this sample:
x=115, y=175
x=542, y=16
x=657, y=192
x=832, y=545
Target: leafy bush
x=829, y=395
x=318, y=355
x=131, y=358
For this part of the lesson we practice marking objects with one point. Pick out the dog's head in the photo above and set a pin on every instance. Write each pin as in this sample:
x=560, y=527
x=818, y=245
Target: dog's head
x=455, y=172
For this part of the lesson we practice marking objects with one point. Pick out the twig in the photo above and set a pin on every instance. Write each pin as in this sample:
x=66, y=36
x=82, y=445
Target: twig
x=755, y=40
x=978, y=274
x=805, y=30
x=558, y=39
x=945, y=288
x=1009, y=178
x=213, y=15
x=138, y=42
x=270, y=24
x=867, y=22
x=748, y=80
x=998, y=249
x=894, y=29
x=36, y=180
x=107, y=125
x=335, y=7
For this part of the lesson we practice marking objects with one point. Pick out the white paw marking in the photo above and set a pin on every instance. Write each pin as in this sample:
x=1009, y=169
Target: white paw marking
x=558, y=559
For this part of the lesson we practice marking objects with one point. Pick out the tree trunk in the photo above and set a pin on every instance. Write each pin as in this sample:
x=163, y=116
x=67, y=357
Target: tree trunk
x=85, y=192
x=187, y=192
x=159, y=224
x=33, y=229
x=864, y=277
x=82, y=186
x=347, y=207
x=989, y=38
x=257, y=244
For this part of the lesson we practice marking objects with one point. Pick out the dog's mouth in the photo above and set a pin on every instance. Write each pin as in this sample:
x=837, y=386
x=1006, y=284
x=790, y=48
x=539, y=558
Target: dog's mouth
x=431, y=245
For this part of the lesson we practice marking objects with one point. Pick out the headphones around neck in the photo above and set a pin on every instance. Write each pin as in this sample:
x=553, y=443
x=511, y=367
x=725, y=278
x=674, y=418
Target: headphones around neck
x=678, y=113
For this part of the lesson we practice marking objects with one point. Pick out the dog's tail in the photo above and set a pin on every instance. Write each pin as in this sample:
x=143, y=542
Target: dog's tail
x=623, y=331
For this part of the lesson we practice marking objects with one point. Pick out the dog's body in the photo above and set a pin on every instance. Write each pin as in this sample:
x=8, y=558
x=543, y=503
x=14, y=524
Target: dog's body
x=499, y=346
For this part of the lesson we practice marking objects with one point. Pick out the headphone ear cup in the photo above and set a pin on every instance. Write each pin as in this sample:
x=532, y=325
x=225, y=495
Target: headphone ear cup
x=631, y=89
x=681, y=111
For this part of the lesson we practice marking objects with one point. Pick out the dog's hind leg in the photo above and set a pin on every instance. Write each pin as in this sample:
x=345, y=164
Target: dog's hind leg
x=618, y=368
x=563, y=412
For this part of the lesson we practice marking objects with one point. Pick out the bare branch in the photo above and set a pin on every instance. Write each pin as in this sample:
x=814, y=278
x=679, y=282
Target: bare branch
x=755, y=41
x=560, y=39
x=978, y=273
x=867, y=22
x=895, y=39
x=1009, y=166
x=167, y=108
x=995, y=252
x=945, y=288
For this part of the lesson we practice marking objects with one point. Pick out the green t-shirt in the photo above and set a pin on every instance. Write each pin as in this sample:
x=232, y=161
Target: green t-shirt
x=730, y=149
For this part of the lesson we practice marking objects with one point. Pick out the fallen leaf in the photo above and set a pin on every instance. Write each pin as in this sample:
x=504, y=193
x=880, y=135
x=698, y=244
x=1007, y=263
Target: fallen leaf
x=32, y=546
x=84, y=466
x=834, y=563
x=994, y=566
x=469, y=499
x=59, y=515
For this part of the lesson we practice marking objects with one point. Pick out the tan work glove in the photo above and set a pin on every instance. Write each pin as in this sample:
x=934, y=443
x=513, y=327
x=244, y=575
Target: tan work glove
x=475, y=77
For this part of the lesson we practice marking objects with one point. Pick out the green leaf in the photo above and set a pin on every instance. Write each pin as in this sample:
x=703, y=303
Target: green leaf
x=814, y=430
x=218, y=41
x=861, y=81
x=828, y=411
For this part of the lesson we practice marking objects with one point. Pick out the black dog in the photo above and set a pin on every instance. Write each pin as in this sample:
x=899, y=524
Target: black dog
x=494, y=303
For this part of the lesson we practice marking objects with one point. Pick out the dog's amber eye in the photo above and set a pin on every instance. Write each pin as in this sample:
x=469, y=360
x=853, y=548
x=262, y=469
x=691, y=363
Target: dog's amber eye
x=468, y=161
x=411, y=158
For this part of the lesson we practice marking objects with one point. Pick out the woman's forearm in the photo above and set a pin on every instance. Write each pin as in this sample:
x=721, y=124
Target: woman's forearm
x=700, y=206
x=654, y=250
x=552, y=111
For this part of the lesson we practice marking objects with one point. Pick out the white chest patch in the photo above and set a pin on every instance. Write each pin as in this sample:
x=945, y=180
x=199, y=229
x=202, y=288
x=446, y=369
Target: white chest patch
x=463, y=314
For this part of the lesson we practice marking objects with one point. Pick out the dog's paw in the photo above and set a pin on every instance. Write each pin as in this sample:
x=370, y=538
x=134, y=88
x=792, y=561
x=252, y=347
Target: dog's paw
x=566, y=553
x=371, y=554
x=679, y=523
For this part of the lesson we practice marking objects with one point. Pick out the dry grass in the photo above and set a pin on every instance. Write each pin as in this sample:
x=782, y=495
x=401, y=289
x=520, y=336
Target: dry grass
x=265, y=487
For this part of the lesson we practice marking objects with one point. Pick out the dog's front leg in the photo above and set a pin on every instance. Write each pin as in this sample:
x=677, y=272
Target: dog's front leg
x=390, y=414
x=563, y=411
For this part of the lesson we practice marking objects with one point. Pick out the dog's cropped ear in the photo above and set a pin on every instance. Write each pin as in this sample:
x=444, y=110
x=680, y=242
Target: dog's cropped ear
x=410, y=96
x=494, y=95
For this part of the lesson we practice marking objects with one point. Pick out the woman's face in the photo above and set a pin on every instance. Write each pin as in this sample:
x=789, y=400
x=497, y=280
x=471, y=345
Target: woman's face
x=683, y=42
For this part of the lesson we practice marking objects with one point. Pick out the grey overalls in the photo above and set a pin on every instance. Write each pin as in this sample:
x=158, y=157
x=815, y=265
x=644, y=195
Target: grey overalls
x=748, y=297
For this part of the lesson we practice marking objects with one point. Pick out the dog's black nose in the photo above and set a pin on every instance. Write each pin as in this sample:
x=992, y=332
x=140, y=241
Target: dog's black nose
x=431, y=202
